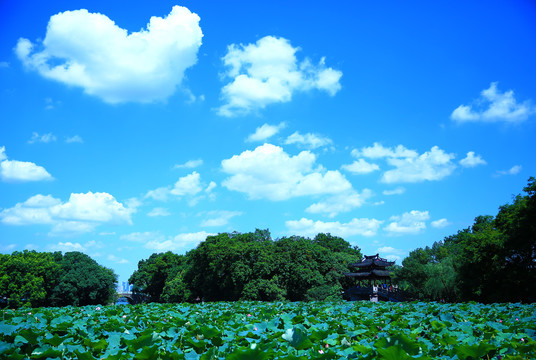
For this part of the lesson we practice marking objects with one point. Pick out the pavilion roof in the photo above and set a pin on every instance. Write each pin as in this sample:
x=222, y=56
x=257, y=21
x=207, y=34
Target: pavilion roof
x=371, y=260
x=370, y=274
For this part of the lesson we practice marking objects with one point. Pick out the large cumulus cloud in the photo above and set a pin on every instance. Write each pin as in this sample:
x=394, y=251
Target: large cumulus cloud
x=90, y=51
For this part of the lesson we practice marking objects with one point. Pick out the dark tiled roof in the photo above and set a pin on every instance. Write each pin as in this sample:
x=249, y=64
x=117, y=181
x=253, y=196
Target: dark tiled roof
x=371, y=260
x=370, y=274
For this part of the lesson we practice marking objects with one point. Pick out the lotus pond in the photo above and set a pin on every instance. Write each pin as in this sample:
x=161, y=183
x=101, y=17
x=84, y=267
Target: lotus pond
x=253, y=330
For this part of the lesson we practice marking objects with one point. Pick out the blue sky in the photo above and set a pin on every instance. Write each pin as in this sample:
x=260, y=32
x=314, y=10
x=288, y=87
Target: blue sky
x=128, y=128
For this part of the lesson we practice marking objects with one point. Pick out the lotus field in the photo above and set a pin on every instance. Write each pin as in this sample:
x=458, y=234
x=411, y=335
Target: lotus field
x=254, y=330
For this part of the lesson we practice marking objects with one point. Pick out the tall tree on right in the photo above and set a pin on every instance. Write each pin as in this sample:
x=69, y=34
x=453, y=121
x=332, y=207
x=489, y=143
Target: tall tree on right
x=517, y=221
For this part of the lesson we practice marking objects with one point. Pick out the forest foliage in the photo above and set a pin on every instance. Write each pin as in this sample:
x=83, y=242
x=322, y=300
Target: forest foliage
x=249, y=266
x=54, y=279
x=494, y=260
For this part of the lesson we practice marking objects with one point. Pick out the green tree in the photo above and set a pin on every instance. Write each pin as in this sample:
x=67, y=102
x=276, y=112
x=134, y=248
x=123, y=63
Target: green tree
x=27, y=277
x=413, y=272
x=480, y=263
x=152, y=274
x=232, y=266
x=517, y=221
x=313, y=269
x=176, y=290
x=441, y=282
x=83, y=282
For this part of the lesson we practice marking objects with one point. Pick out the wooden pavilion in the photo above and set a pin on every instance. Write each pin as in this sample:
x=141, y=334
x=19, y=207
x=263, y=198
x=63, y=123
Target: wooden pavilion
x=372, y=280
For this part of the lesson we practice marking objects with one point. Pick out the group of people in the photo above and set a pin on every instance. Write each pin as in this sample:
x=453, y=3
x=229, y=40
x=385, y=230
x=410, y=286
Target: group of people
x=385, y=287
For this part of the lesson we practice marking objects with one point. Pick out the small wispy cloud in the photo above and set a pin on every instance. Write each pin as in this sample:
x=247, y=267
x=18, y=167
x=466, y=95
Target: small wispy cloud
x=514, y=170
x=409, y=223
x=472, y=160
x=265, y=132
x=74, y=139
x=45, y=138
x=309, y=140
x=219, y=218
x=494, y=106
x=190, y=164
x=360, y=166
x=441, y=223
x=158, y=211
x=397, y=191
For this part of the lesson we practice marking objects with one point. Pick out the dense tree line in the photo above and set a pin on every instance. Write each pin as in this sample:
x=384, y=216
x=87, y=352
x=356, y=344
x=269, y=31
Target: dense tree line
x=249, y=266
x=494, y=260
x=54, y=279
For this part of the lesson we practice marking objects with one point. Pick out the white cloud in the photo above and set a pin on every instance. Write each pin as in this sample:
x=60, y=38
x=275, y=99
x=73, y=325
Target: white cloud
x=379, y=151
x=270, y=173
x=142, y=237
x=190, y=164
x=158, y=211
x=68, y=228
x=117, y=260
x=268, y=72
x=306, y=227
x=67, y=247
x=184, y=241
x=46, y=138
x=392, y=257
x=210, y=187
x=70, y=246
x=20, y=171
x=80, y=214
x=35, y=210
x=265, y=132
x=471, y=160
x=388, y=249
x=4, y=64
x=187, y=186
x=219, y=218
x=432, y=165
x=95, y=207
x=311, y=141
x=361, y=166
x=514, y=170
x=500, y=107
x=160, y=194
x=343, y=202
x=90, y=51
x=408, y=223
x=51, y=104
x=390, y=253
x=133, y=204
x=7, y=248
x=74, y=139
x=441, y=223
x=397, y=191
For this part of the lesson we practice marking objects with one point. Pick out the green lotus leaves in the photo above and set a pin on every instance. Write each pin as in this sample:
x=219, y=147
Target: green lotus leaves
x=254, y=330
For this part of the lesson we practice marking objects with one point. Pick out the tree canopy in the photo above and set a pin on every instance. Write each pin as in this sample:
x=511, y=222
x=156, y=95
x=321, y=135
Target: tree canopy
x=52, y=279
x=494, y=260
x=250, y=266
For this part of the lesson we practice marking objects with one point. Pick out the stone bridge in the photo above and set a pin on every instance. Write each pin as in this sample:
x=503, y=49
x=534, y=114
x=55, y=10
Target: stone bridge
x=133, y=297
